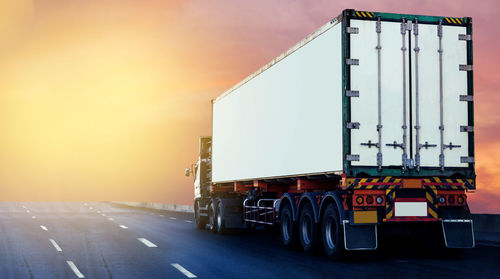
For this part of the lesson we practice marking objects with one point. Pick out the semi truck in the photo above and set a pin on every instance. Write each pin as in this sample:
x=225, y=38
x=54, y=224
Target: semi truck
x=365, y=124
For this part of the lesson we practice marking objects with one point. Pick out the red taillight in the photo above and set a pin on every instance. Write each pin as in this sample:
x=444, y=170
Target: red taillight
x=369, y=199
x=359, y=200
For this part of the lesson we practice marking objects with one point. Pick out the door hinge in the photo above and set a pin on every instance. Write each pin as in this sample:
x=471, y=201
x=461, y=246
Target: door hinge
x=352, y=125
x=350, y=61
x=464, y=37
x=467, y=160
x=352, y=30
x=352, y=93
x=465, y=67
x=467, y=129
x=466, y=98
x=352, y=157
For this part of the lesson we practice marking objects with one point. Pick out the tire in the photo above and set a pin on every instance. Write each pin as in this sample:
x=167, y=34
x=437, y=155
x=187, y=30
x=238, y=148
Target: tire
x=211, y=216
x=220, y=226
x=331, y=233
x=288, y=228
x=308, y=229
x=200, y=224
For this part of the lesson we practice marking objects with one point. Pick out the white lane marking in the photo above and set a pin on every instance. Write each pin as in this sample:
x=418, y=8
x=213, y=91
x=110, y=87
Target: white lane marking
x=188, y=221
x=24, y=206
x=86, y=204
x=162, y=216
x=103, y=215
x=110, y=219
x=147, y=242
x=184, y=271
x=91, y=208
x=27, y=211
x=98, y=211
x=44, y=228
x=123, y=227
x=55, y=245
x=34, y=217
x=75, y=269
x=173, y=218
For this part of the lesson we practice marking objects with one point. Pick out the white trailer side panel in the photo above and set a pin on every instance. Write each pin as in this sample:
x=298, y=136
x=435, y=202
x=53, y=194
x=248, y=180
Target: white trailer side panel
x=285, y=121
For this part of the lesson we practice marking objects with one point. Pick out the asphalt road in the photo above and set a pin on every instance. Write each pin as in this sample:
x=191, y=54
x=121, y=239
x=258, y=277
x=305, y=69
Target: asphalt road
x=102, y=240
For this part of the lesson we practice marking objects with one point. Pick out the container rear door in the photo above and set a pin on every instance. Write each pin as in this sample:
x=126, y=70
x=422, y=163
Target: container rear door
x=380, y=113
x=439, y=77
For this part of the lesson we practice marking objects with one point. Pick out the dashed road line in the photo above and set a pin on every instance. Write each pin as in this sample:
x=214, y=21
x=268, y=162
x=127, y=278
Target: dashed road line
x=55, y=245
x=75, y=269
x=162, y=216
x=91, y=208
x=188, y=221
x=27, y=211
x=44, y=228
x=123, y=227
x=33, y=217
x=24, y=206
x=110, y=219
x=173, y=218
x=147, y=242
x=184, y=271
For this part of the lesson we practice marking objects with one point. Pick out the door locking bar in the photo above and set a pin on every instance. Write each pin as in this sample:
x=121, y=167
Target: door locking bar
x=417, y=122
x=378, y=29
x=405, y=26
x=441, y=122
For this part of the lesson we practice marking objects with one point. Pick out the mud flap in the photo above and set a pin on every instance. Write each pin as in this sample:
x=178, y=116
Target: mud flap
x=360, y=237
x=458, y=233
x=231, y=213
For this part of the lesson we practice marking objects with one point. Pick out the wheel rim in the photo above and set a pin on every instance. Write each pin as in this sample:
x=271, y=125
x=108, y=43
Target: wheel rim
x=306, y=229
x=211, y=216
x=330, y=232
x=219, y=220
x=286, y=227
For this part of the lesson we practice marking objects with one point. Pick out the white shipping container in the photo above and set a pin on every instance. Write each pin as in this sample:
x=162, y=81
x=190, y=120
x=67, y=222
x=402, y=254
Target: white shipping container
x=385, y=95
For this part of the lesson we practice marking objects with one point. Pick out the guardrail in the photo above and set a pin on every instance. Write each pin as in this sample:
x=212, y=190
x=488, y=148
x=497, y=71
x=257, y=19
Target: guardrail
x=486, y=226
x=159, y=206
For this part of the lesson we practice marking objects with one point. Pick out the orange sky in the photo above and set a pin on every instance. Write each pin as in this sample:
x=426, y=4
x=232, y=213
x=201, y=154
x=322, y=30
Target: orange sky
x=105, y=99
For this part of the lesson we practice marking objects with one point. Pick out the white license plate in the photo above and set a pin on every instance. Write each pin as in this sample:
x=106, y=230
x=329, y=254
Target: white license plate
x=410, y=209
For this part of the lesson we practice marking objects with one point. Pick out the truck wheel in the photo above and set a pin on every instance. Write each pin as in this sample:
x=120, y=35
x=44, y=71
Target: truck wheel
x=200, y=224
x=308, y=229
x=331, y=231
x=211, y=216
x=288, y=227
x=220, y=226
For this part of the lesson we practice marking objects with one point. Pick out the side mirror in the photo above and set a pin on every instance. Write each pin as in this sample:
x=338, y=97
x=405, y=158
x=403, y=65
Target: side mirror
x=187, y=172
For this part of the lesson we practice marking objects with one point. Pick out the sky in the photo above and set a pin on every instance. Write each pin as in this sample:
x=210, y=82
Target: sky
x=106, y=99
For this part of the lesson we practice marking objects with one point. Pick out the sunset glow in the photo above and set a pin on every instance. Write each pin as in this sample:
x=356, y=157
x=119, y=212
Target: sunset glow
x=106, y=99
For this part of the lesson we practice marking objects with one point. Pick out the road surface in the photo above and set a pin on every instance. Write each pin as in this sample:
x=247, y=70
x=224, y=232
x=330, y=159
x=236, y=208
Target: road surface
x=103, y=240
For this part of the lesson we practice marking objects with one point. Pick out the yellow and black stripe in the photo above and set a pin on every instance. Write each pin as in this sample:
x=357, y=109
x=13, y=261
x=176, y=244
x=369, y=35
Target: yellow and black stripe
x=453, y=20
x=363, y=14
x=390, y=196
x=432, y=201
x=358, y=183
x=449, y=183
